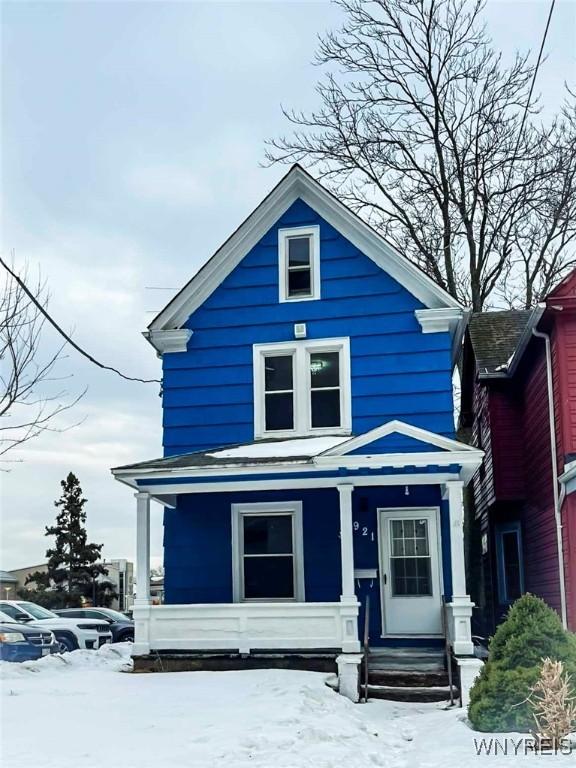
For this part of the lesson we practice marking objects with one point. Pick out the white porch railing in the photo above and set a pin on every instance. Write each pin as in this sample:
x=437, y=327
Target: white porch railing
x=244, y=627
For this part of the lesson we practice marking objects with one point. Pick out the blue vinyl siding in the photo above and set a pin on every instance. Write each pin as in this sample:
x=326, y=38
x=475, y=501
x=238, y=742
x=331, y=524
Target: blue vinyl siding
x=198, y=551
x=397, y=371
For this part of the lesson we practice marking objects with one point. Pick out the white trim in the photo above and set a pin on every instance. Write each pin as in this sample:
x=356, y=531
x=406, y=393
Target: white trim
x=401, y=428
x=313, y=233
x=439, y=320
x=346, y=540
x=244, y=627
x=383, y=567
x=170, y=340
x=292, y=484
x=301, y=386
x=294, y=508
x=297, y=183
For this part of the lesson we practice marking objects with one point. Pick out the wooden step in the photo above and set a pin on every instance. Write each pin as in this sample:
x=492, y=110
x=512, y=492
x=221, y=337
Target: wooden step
x=418, y=694
x=407, y=678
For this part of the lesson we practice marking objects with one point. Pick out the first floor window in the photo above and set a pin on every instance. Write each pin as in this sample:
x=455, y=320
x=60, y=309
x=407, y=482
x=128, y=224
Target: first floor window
x=268, y=545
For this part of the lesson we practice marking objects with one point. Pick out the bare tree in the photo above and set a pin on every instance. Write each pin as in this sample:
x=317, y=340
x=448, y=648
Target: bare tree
x=28, y=406
x=424, y=132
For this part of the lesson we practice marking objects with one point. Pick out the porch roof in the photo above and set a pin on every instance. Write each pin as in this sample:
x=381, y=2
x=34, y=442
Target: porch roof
x=392, y=446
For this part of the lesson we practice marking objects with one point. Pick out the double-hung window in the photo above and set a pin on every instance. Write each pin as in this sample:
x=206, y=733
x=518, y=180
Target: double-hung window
x=299, y=263
x=302, y=388
x=267, y=546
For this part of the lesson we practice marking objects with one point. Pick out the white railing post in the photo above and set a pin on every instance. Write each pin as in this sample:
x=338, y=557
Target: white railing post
x=460, y=606
x=350, y=642
x=142, y=601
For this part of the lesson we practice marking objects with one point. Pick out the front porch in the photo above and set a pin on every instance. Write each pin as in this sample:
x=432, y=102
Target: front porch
x=387, y=526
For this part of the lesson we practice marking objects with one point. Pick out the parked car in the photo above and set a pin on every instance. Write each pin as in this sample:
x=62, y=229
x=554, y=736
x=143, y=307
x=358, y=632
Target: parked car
x=121, y=626
x=70, y=633
x=18, y=643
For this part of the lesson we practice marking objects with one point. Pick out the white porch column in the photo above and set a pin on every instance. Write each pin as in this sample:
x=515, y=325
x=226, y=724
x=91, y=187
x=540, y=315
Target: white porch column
x=142, y=601
x=346, y=541
x=460, y=607
x=349, y=612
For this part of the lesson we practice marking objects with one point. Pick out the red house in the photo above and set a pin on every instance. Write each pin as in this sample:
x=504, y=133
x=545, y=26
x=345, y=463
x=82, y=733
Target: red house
x=519, y=406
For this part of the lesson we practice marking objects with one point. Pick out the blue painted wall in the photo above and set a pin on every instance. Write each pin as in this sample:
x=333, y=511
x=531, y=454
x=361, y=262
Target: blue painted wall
x=397, y=371
x=198, y=547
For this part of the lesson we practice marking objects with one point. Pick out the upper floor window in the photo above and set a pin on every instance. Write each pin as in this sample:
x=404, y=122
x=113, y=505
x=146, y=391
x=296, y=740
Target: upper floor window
x=302, y=388
x=299, y=263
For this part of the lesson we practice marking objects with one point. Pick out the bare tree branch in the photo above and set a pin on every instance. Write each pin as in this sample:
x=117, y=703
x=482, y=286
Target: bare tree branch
x=423, y=131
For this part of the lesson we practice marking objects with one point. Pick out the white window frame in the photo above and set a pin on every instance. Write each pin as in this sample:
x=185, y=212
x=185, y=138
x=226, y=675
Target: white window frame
x=300, y=351
x=283, y=236
x=293, y=508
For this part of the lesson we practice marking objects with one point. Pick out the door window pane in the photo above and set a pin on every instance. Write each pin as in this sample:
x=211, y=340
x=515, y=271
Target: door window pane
x=268, y=556
x=410, y=563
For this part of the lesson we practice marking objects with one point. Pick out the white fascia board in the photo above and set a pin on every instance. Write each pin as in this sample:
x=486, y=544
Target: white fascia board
x=298, y=184
x=401, y=428
x=170, y=340
x=436, y=478
x=445, y=319
x=396, y=460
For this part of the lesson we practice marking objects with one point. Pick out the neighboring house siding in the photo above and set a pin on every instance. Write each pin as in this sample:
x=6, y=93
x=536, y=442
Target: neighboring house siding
x=506, y=443
x=483, y=482
x=397, y=371
x=540, y=544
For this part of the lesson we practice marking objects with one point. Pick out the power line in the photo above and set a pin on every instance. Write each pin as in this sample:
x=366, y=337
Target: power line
x=63, y=333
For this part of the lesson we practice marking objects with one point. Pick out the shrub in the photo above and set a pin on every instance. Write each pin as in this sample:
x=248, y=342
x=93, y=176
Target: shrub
x=530, y=632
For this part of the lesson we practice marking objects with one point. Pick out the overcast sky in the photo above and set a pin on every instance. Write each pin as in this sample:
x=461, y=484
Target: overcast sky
x=131, y=143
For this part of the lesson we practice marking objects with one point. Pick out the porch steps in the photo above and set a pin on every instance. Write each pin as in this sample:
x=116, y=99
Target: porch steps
x=408, y=674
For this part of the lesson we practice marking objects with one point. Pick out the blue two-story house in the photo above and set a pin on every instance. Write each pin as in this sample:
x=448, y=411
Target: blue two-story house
x=309, y=458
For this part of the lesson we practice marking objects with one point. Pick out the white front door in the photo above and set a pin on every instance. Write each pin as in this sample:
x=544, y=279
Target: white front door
x=410, y=574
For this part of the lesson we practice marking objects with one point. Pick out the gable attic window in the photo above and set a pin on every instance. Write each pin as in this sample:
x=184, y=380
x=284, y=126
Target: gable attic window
x=302, y=388
x=299, y=263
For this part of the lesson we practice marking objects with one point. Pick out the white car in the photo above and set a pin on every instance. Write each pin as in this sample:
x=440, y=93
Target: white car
x=70, y=633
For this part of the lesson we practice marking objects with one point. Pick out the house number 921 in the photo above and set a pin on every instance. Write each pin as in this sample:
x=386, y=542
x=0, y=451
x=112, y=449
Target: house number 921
x=363, y=529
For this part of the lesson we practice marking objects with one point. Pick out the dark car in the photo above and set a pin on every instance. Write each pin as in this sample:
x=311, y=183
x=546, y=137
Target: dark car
x=121, y=626
x=18, y=643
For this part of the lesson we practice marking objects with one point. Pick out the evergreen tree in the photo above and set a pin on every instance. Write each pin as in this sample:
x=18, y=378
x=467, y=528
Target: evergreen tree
x=73, y=562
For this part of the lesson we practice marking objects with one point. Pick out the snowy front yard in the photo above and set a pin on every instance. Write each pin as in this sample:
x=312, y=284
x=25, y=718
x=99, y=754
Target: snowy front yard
x=81, y=710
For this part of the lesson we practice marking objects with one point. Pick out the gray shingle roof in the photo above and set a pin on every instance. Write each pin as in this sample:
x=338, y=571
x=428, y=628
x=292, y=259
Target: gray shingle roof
x=495, y=336
x=7, y=578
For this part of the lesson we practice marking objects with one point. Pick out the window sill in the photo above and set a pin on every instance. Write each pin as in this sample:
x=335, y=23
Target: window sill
x=328, y=432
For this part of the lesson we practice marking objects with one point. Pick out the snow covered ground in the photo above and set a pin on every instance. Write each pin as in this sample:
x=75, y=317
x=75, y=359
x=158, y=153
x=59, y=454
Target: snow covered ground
x=81, y=711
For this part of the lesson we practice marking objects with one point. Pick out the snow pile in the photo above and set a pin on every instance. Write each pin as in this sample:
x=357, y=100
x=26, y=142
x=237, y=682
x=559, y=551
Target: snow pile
x=114, y=657
x=79, y=711
x=308, y=446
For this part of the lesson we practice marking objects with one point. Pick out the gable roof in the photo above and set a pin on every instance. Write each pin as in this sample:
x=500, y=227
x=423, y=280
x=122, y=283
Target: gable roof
x=298, y=183
x=327, y=451
x=495, y=337
x=420, y=436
